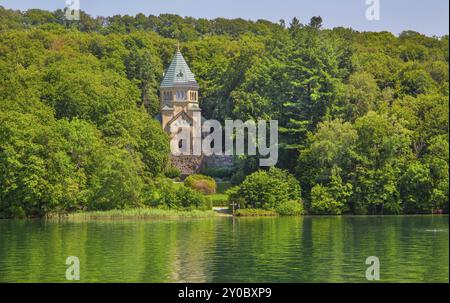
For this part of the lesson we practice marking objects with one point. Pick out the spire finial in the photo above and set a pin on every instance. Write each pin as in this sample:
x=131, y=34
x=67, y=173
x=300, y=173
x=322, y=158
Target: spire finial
x=178, y=45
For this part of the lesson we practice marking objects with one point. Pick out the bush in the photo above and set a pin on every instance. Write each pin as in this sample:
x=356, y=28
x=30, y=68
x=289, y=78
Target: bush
x=290, y=208
x=163, y=193
x=201, y=183
x=191, y=199
x=266, y=189
x=172, y=172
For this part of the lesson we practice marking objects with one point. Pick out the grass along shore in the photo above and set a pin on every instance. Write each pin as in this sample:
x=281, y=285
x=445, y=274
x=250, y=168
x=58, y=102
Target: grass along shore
x=141, y=213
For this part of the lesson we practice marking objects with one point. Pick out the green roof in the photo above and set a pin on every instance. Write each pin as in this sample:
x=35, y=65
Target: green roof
x=178, y=73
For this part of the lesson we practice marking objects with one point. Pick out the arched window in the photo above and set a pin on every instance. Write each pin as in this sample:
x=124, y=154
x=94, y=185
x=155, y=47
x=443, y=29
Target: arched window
x=167, y=96
x=181, y=95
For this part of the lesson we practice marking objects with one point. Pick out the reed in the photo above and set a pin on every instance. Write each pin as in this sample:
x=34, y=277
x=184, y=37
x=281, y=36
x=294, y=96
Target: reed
x=140, y=213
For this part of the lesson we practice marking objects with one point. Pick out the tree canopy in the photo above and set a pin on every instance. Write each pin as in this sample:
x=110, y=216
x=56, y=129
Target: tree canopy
x=363, y=116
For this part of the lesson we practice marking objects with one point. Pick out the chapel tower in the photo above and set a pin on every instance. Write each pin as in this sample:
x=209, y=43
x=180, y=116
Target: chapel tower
x=180, y=109
x=178, y=94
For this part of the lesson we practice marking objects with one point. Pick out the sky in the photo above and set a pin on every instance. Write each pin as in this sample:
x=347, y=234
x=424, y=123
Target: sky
x=430, y=17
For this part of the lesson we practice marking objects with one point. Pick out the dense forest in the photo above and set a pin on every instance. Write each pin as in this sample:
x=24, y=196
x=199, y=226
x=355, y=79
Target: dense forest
x=363, y=115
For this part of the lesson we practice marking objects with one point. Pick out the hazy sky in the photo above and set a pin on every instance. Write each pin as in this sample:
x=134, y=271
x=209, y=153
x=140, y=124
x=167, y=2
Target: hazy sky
x=430, y=17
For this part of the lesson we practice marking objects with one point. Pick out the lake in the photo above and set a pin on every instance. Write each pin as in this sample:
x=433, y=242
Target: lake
x=270, y=249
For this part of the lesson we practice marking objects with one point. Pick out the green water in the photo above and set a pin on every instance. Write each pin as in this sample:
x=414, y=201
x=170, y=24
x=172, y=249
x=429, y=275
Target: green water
x=308, y=249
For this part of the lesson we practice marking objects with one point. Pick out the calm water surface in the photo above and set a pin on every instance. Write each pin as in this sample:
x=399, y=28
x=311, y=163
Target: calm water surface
x=289, y=249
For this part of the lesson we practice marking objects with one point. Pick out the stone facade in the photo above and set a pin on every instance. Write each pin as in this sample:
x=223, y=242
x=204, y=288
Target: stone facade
x=179, y=105
x=188, y=165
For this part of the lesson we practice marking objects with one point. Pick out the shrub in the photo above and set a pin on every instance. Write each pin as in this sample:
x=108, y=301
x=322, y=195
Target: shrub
x=172, y=172
x=201, y=183
x=191, y=199
x=163, y=193
x=290, y=208
x=266, y=189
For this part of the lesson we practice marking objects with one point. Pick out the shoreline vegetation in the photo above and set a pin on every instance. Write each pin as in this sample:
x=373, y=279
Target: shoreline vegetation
x=363, y=116
x=138, y=213
x=156, y=213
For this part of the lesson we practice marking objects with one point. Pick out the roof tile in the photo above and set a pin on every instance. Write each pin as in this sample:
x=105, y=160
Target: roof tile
x=178, y=73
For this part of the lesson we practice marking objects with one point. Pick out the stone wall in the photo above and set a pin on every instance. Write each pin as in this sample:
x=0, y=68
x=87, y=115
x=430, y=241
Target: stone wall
x=189, y=165
x=218, y=161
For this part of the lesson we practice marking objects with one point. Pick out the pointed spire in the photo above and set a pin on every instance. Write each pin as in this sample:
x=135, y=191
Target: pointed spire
x=178, y=73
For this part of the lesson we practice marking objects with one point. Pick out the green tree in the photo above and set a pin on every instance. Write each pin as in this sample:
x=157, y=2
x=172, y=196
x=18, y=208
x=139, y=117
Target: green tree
x=331, y=148
x=87, y=92
x=362, y=94
x=266, y=189
x=141, y=135
x=383, y=150
x=115, y=181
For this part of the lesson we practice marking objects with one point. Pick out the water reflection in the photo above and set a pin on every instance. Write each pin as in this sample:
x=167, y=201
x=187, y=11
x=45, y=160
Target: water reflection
x=291, y=249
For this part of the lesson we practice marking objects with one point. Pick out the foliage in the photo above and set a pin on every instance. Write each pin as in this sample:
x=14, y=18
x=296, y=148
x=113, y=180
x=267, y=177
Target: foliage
x=172, y=172
x=223, y=186
x=201, y=183
x=219, y=199
x=266, y=189
x=290, y=208
x=363, y=116
x=139, y=213
x=330, y=199
x=163, y=193
x=191, y=199
x=62, y=166
x=323, y=203
x=140, y=135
